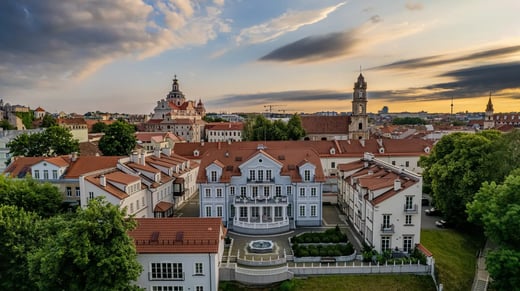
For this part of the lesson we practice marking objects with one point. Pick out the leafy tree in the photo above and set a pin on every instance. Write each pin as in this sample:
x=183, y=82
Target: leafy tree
x=119, y=139
x=42, y=198
x=55, y=140
x=213, y=118
x=19, y=235
x=455, y=169
x=408, y=120
x=295, y=128
x=99, y=127
x=27, y=118
x=88, y=251
x=48, y=120
x=497, y=209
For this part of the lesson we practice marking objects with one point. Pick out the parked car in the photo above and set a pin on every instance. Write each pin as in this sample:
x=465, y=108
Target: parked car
x=425, y=202
x=432, y=211
x=442, y=223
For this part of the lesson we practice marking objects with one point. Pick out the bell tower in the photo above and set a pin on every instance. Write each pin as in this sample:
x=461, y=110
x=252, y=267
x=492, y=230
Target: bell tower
x=488, y=119
x=358, y=128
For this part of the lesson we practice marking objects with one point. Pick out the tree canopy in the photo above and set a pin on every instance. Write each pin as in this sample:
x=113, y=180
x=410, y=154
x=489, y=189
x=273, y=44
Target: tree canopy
x=99, y=127
x=408, y=120
x=260, y=128
x=119, y=139
x=55, y=140
x=497, y=208
x=455, y=169
x=88, y=251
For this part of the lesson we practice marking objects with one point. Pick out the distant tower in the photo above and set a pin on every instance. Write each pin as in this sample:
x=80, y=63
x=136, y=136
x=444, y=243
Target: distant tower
x=359, y=120
x=176, y=96
x=489, y=122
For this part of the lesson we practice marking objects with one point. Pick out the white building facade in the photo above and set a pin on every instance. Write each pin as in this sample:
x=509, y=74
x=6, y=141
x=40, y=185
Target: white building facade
x=382, y=202
x=261, y=190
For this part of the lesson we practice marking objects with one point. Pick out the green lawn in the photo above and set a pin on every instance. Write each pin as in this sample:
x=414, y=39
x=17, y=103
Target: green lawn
x=455, y=256
x=347, y=282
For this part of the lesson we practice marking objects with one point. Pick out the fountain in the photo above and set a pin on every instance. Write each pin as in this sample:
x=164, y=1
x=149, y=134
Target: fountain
x=261, y=246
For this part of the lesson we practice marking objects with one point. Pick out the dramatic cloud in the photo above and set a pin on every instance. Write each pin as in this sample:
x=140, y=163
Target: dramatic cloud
x=273, y=97
x=287, y=22
x=438, y=60
x=315, y=48
x=45, y=41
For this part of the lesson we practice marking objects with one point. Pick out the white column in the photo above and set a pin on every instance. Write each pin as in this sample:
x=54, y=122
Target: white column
x=249, y=213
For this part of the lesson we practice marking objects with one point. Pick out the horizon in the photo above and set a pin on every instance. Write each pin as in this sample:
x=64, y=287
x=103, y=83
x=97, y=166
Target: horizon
x=236, y=56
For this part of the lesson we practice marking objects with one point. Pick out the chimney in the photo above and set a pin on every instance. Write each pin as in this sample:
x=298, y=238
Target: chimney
x=157, y=152
x=134, y=157
x=142, y=156
x=397, y=184
x=103, y=180
x=74, y=156
x=167, y=151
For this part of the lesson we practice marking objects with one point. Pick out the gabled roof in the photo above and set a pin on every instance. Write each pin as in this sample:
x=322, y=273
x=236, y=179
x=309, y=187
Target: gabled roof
x=225, y=126
x=21, y=166
x=87, y=164
x=178, y=235
x=109, y=188
x=58, y=161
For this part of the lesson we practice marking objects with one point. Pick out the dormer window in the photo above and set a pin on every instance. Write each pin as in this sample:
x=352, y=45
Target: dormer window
x=307, y=175
x=213, y=176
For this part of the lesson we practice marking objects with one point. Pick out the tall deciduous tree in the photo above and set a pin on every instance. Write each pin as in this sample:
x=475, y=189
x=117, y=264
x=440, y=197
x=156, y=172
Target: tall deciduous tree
x=295, y=128
x=99, y=127
x=41, y=198
x=119, y=139
x=48, y=120
x=455, y=169
x=91, y=251
x=55, y=140
x=19, y=235
x=261, y=128
x=497, y=209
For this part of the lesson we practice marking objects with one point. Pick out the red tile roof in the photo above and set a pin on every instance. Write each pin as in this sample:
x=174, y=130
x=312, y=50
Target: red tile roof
x=87, y=164
x=183, y=235
x=163, y=206
x=315, y=124
x=21, y=166
x=225, y=126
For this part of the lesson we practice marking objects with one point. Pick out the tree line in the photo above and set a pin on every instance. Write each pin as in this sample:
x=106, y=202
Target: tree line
x=475, y=181
x=260, y=128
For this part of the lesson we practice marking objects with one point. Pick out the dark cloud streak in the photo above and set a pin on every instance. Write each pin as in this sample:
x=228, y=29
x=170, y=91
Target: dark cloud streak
x=315, y=48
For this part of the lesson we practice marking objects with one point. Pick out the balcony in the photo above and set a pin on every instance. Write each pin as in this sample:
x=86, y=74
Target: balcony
x=387, y=228
x=411, y=209
x=264, y=200
x=262, y=181
x=166, y=277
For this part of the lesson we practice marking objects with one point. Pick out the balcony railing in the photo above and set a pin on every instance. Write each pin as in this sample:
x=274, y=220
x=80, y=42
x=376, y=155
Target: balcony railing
x=264, y=200
x=166, y=277
x=411, y=208
x=387, y=228
x=260, y=181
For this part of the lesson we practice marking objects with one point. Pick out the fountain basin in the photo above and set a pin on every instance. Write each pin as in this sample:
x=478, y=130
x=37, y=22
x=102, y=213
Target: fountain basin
x=261, y=246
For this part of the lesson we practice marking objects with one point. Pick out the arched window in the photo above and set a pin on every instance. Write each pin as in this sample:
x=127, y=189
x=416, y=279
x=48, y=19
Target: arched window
x=360, y=126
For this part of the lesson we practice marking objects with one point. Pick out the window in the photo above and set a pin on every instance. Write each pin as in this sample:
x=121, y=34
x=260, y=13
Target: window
x=167, y=288
x=266, y=192
x=242, y=192
x=289, y=190
x=142, y=201
x=302, y=192
x=55, y=174
x=78, y=192
x=313, y=192
x=313, y=210
x=208, y=193
x=208, y=211
x=198, y=269
x=252, y=175
x=232, y=190
x=408, y=220
x=386, y=220
x=131, y=207
x=213, y=176
x=199, y=288
x=243, y=212
x=302, y=210
x=278, y=211
x=137, y=205
x=409, y=203
x=307, y=175
x=45, y=174
x=37, y=174
x=219, y=193
x=69, y=192
x=161, y=271
x=268, y=175
x=278, y=191
x=255, y=192
x=333, y=165
x=407, y=164
x=90, y=196
x=260, y=175
x=393, y=163
x=219, y=211
x=407, y=243
x=385, y=243
x=289, y=209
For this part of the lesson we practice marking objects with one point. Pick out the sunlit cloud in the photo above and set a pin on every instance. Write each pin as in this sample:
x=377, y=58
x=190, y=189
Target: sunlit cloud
x=414, y=6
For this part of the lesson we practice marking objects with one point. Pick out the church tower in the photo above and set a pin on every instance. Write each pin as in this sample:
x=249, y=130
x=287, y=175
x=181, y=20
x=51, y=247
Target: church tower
x=176, y=96
x=358, y=128
x=489, y=122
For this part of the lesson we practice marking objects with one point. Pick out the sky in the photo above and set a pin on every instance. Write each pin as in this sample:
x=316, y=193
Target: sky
x=258, y=55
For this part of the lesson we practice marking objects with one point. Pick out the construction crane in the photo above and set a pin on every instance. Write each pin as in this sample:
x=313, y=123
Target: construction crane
x=269, y=107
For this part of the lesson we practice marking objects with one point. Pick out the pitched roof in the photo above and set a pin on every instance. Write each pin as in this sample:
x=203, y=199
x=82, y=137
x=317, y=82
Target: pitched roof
x=317, y=124
x=182, y=235
x=225, y=126
x=21, y=166
x=87, y=164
